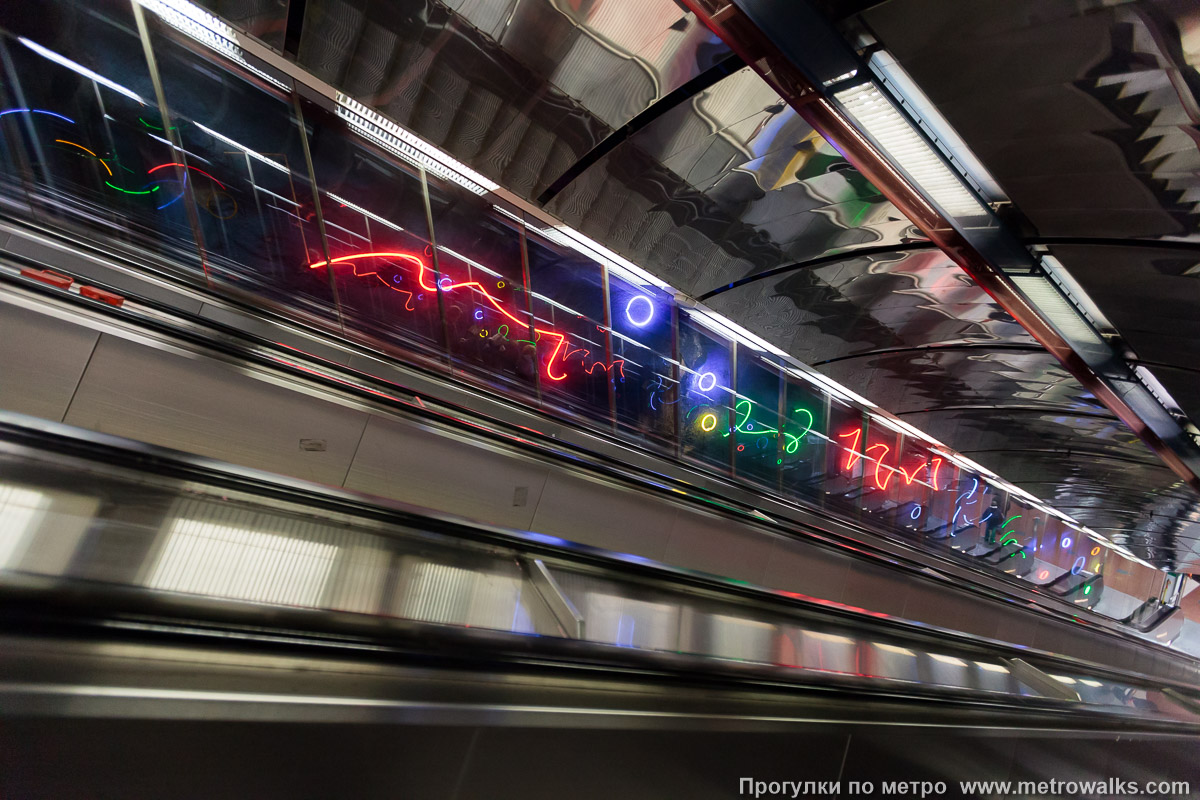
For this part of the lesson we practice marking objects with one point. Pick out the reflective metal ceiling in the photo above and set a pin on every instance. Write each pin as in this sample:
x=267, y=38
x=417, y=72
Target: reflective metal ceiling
x=1088, y=115
x=626, y=120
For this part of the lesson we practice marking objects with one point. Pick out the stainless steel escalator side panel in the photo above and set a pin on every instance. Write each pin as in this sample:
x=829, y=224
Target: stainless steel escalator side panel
x=757, y=554
x=824, y=530
x=617, y=635
x=152, y=538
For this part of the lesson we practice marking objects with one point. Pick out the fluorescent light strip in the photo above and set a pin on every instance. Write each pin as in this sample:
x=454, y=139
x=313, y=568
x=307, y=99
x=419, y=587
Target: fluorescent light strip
x=408, y=153
x=511, y=215
x=731, y=330
x=900, y=426
x=80, y=69
x=630, y=271
x=965, y=463
x=904, y=88
x=21, y=511
x=411, y=148
x=834, y=388
x=1050, y=302
x=243, y=148
x=209, y=30
x=210, y=558
x=907, y=148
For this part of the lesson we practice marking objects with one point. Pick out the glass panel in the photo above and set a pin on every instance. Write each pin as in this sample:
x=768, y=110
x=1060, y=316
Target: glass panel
x=572, y=340
x=707, y=394
x=375, y=223
x=82, y=127
x=880, y=475
x=758, y=443
x=915, y=486
x=804, y=428
x=266, y=20
x=647, y=396
x=246, y=174
x=844, y=456
x=486, y=304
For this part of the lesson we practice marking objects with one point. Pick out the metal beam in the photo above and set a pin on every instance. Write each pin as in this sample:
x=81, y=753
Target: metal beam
x=723, y=68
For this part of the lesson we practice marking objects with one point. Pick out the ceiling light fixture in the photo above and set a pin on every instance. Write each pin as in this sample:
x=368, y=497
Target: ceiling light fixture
x=908, y=150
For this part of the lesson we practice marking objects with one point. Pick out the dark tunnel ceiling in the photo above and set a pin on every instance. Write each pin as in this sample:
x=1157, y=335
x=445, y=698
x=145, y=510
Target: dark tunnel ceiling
x=1090, y=139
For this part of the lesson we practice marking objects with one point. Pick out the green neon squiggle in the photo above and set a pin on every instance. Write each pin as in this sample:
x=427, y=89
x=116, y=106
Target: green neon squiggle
x=793, y=440
x=130, y=191
x=155, y=127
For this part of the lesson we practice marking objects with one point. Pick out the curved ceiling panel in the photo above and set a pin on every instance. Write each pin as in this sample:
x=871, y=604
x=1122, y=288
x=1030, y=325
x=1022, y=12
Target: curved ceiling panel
x=518, y=90
x=627, y=121
x=1096, y=140
x=1152, y=296
x=1090, y=137
x=871, y=303
x=730, y=184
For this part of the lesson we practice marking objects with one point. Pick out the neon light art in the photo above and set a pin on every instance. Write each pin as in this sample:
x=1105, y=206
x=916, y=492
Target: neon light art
x=640, y=310
x=89, y=152
x=631, y=313
x=881, y=484
x=744, y=425
x=35, y=111
x=446, y=285
x=854, y=455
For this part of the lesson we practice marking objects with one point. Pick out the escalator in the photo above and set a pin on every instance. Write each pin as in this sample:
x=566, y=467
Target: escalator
x=175, y=609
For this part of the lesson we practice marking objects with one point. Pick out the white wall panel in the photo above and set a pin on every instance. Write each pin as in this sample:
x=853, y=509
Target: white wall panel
x=798, y=567
x=41, y=361
x=719, y=546
x=404, y=462
x=208, y=408
x=604, y=516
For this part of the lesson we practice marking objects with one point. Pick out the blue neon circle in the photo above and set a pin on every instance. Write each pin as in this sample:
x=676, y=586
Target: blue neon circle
x=700, y=381
x=1065, y=543
x=649, y=311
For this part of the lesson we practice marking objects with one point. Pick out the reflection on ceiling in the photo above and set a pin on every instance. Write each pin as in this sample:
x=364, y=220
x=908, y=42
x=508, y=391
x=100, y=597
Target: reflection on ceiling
x=1097, y=142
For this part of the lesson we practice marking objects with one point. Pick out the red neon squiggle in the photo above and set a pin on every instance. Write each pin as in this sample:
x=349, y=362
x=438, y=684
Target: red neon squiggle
x=194, y=169
x=936, y=464
x=619, y=363
x=878, y=464
x=476, y=285
x=853, y=456
x=381, y=279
